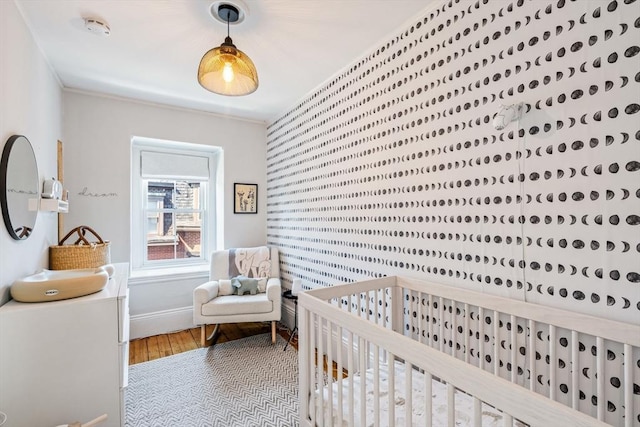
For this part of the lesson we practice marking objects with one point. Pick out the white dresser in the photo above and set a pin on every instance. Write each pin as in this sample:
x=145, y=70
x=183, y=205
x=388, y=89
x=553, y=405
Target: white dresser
x=66, y=361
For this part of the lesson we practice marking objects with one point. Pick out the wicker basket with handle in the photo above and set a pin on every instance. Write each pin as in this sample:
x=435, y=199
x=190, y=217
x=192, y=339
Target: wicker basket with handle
x=80, y=254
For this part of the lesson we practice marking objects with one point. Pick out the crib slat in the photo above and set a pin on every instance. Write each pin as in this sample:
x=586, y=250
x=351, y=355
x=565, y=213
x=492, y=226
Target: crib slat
x=376, y=385
x=430, y=322
x=421, y=329
x=428, y=399
x=454, y=328
x=391, y=368
x=397, y=317
x=467, y=338
x=375, y=306
x=552, y=362
x=313, y=368
x=496, y=342
x=320, y=369
x=514, y=349
x=384, y=308
x=441, y=322
x=303, y=355
x=481, y=336
x=330, y=371
x=600, y=355
x=351, y=370
x=410, y=321
x=628, y=385
x=477, y=412
x=363, y=384
x=575, y=371
x=532, y=354
x=408, y=401
x=451, y=405
x=339, y=357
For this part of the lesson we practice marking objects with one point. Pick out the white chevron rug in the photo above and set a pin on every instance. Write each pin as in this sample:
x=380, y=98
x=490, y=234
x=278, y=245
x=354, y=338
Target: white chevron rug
x=247, y=382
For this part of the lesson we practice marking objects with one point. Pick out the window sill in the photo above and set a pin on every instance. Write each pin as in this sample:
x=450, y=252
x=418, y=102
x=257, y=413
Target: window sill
x=167, y=274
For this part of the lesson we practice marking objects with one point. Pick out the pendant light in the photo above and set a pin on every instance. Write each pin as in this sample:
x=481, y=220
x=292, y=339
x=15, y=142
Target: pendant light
x=226, y=70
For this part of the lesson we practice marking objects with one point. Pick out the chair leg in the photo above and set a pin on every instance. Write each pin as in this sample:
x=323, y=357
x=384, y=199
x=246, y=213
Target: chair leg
x=203, y=335
x=273, y=332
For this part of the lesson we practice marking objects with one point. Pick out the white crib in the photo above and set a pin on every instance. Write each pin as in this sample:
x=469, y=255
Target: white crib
x=419, y=353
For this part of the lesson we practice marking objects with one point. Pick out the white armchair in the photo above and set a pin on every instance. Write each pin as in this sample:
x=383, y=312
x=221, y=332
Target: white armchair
x=217, y=301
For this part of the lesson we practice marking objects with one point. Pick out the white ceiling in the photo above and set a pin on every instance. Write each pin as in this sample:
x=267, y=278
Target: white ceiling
x=155, y=46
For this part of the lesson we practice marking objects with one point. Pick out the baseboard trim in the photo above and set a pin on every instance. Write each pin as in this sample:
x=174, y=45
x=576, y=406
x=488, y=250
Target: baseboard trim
x=161, y=322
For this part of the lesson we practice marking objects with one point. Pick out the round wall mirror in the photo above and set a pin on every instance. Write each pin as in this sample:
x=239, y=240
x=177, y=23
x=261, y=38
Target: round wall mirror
x=19, y=182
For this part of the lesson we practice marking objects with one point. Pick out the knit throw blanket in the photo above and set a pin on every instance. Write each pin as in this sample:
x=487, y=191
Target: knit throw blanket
x=250, y=262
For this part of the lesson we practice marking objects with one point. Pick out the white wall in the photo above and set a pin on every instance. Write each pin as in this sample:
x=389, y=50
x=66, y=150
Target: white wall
x=30, y=98
x=97, y=157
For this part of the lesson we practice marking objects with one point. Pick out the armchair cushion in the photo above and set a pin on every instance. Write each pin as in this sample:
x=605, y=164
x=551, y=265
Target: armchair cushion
x=238, y=305
x=262, y=285
x=225, y=287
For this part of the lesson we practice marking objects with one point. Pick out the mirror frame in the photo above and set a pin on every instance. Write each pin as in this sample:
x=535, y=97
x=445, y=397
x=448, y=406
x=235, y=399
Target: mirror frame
x=4, y=200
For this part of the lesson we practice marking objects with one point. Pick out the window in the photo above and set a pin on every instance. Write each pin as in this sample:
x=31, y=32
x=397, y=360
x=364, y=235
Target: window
x=174, y=203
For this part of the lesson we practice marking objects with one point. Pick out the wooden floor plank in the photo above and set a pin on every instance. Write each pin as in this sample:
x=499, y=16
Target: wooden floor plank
x=164, y=347
x=176, y=343
x=195, y=333
x=153, y=348
x=138, y=351
x=188, y=343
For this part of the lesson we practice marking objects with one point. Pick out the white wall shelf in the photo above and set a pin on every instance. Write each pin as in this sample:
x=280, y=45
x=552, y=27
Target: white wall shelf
x=49, y=205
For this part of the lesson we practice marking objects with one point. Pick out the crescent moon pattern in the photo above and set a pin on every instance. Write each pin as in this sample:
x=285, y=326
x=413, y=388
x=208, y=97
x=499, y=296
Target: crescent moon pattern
x=393, y=167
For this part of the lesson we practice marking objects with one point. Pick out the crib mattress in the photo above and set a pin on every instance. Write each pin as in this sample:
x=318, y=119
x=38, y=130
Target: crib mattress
x=463, y=402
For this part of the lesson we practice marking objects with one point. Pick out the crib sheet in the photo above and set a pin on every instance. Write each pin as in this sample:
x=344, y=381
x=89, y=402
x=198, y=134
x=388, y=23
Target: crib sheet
x=463, y=402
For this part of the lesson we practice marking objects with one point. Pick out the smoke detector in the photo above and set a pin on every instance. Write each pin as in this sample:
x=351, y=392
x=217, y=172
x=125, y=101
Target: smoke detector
x=97, y=27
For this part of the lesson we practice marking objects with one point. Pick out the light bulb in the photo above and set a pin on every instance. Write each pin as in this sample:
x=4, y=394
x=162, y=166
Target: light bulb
x=227, y=72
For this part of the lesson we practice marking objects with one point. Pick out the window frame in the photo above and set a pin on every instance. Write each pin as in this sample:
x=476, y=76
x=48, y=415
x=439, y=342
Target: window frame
x=211, y=193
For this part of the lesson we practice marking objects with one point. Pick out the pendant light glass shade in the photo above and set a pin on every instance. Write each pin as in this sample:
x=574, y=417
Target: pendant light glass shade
x=226, y=70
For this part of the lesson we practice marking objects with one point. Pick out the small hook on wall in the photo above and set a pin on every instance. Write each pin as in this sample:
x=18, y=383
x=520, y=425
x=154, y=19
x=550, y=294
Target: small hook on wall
x=507, y=114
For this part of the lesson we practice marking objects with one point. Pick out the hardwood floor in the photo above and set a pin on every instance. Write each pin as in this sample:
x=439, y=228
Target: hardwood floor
x=157, y=346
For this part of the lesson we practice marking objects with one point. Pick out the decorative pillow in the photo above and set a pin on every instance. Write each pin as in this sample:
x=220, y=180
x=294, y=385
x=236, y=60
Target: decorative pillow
x=225, y=288
x=245, y=285
x=262, y=285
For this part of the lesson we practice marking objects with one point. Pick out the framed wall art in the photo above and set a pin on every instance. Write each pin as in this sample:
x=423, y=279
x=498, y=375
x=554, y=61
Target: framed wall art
x=245, y=198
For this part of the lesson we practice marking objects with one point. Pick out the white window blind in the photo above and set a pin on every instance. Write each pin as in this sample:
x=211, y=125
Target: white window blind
x=168, y=165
